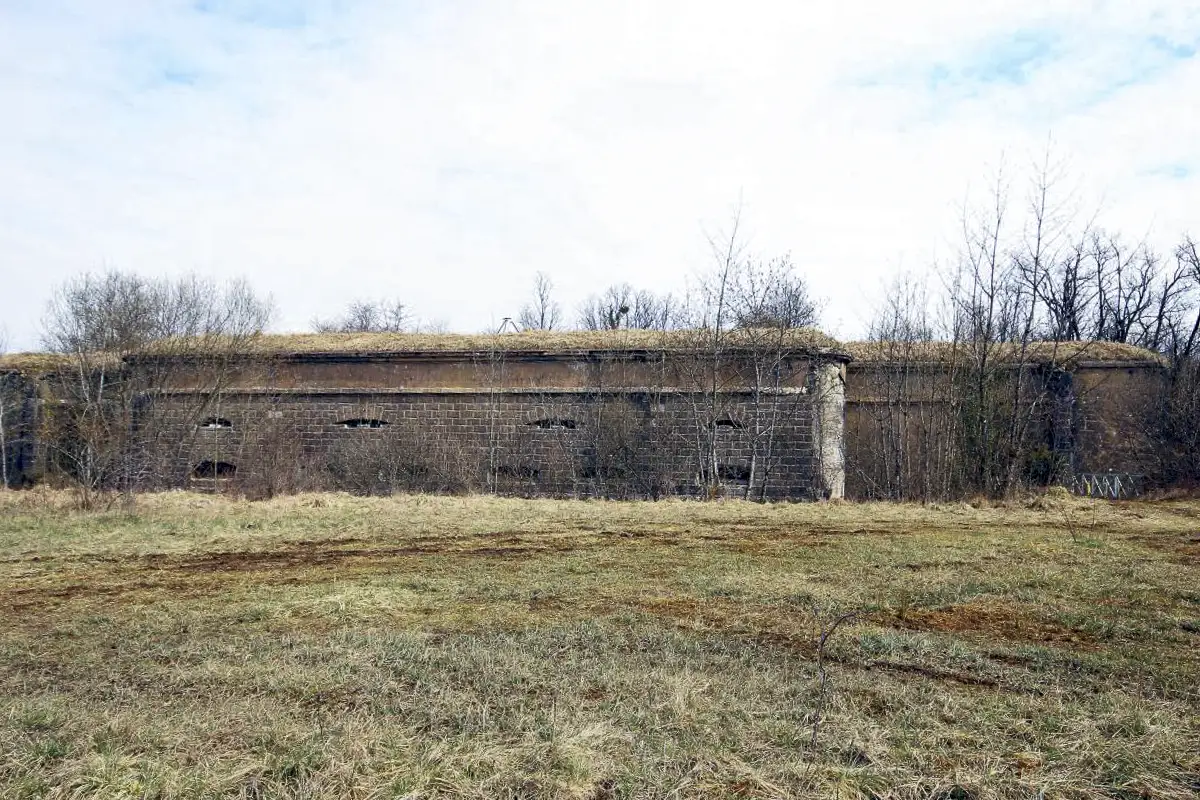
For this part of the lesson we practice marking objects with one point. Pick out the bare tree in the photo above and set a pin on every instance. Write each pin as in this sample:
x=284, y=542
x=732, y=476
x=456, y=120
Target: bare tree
x=124, y=339
x=967, y=416
x=650, y=311
x=606, y=311
x=993, y=303
x=542, y=313
x=710, y=323
x=906, y=431
x=770, y=305
x=1183, y=336
x=1177, y=427
x=1027, y=277
x=370, y=316
x=771, y=295
x=621, y=306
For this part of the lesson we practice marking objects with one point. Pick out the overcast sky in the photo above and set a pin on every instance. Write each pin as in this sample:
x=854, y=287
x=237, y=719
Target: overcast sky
x=443, y=152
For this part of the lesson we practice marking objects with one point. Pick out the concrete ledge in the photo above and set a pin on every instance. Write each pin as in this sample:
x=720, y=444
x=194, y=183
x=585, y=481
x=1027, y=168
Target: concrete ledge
x=259, y=391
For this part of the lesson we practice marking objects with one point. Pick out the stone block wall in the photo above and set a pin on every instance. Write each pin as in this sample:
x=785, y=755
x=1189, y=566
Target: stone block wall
x=1087, y=417
x=621, y=443
x=1114, y=421
x=618, y=423
x=19, y=404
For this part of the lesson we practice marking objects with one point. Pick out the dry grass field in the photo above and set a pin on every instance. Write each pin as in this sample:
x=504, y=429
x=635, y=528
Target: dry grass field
x=324, y=646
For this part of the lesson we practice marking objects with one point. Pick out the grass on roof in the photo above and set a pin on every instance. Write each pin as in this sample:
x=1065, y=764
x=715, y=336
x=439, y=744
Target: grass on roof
x=568, y=341
x=1038, y=352
x=32, y=363
x=524, y=341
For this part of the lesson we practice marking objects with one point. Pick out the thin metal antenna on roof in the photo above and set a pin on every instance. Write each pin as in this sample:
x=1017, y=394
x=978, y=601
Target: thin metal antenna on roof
x=507, y=322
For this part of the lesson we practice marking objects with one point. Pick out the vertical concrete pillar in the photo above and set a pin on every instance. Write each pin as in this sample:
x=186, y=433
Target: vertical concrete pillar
x=829, y=430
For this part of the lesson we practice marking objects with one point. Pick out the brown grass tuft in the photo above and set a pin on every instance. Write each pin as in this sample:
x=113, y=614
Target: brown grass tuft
x=1065, y=353
x=524, y=341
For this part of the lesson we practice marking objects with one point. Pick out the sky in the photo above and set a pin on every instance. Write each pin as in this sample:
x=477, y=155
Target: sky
x=445, y=152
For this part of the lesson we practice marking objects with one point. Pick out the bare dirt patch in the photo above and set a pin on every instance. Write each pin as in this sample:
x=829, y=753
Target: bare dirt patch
x=770, y=630
x=116, y=580
x=1184, y=548
x=992, y=620
x=936, y=674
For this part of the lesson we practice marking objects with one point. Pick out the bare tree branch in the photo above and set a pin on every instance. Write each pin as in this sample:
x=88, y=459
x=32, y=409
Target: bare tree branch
x=542, y=313
x=124, y=336
x=369, y=316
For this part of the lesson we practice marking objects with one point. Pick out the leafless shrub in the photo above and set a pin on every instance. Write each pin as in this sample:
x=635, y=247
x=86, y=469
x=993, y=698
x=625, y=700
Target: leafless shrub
x=543, y=312
x=628, y=449
x=125, y=338
x=621, y=306
x=278, y=462
x=369, y=316
x=826, y=622
x=388, y=461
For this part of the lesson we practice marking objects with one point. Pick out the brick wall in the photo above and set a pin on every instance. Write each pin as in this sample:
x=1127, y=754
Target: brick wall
x=612, y=423
x=620, y=443
x=617, y=425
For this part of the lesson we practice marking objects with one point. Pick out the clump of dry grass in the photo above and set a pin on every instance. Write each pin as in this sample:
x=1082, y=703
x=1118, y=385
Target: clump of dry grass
x=523, y=341
x=328, y=646
x=1033, y=352
x=32, y=363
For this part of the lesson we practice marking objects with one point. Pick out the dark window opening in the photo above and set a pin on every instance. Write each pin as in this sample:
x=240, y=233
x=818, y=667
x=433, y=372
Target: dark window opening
x=214, y=469
x=734, y=472
x=215, y=423
x=554, y=422
x=730, y=422
x=518, y=471
x=363, y=423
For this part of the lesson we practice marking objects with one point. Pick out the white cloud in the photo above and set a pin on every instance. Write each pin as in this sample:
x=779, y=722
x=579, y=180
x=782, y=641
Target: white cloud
x=445, y=152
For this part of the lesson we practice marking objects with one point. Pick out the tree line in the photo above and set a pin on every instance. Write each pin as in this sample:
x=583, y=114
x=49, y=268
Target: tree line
x=619, y=306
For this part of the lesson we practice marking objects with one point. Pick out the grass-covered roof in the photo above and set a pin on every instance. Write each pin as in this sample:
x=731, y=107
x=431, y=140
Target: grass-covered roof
x=808, y=340
x=526, y=341
x=1033, y=352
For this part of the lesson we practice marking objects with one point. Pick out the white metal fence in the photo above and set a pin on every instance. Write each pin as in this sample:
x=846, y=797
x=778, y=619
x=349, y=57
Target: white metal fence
x=1108, y=485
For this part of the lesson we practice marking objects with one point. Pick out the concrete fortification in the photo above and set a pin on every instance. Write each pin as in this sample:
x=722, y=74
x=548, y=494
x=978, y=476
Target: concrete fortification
x=618, y=414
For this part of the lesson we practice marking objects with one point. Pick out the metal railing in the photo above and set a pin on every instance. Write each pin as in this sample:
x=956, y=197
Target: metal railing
x=1108, y=485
